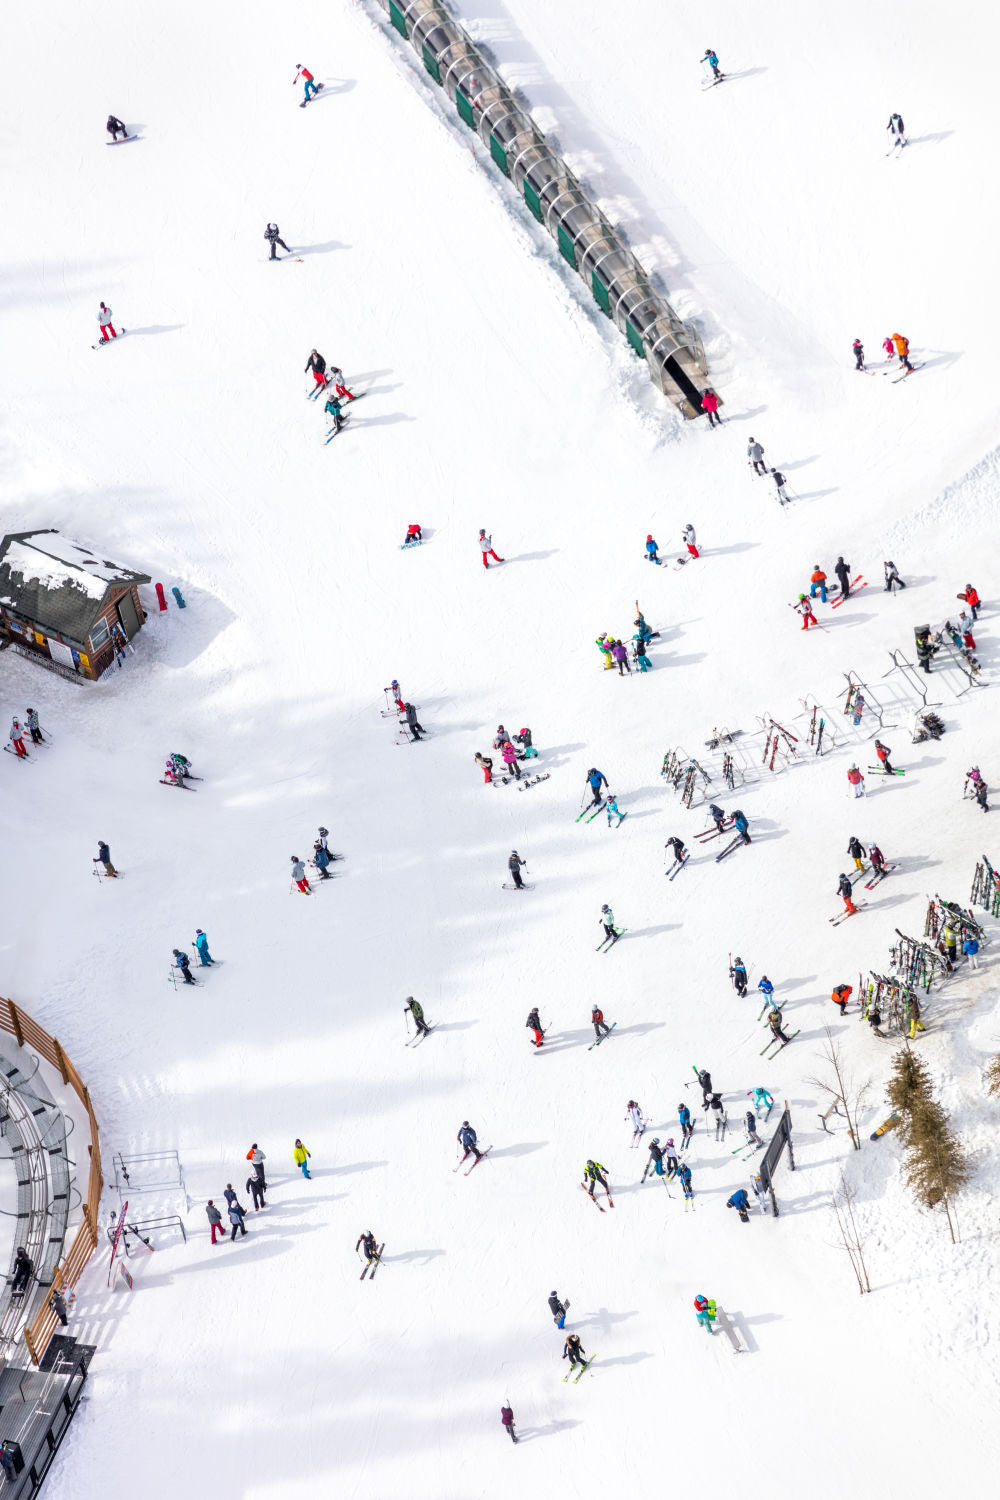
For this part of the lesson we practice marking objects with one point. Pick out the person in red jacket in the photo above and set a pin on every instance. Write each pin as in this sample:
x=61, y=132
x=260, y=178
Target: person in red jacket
x=311, y=87
x=972, y=600
x=841, y=995
x=710, y=404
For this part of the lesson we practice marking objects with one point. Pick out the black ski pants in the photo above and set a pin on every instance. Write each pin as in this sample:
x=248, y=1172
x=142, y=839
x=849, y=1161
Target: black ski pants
x=601, y=1028
x=602, y=1181
x=274, y=244
x=241, y=1226
x=759, y=466
x=714, y=420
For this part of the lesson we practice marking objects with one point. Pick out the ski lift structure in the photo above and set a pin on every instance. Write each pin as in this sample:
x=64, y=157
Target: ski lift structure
x=673, y=350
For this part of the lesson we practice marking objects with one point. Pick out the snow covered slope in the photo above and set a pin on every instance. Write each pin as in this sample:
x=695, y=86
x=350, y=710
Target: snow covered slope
x=496, y=397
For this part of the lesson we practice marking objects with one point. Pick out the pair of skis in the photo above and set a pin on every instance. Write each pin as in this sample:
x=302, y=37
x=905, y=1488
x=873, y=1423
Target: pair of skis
x=603, y=1038
x=374, y=1263
x=586, y=1366
x=419, y=1037
x=675, y=867
x=729, y=849
x=610, y=942
x=779, y=1045
x=856, y=583
x=593, y=1198
x=859, y=906
x=481, y=1157
x=896, y=771
x=871, y=884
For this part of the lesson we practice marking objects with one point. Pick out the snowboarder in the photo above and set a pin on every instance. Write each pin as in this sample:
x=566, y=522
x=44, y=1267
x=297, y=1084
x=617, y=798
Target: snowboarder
x=509, y=755
x=713, y=62
x=741, y=824
x=841, y=995
x=299, y=875
x=651, y=549
x=414, y=534
x=417, y=1012
x=574, y=1351
x=105, y=324
x=558, y=1309
x=104, y=858
x=607, y=918
x=339, y=386
x=34, y=728
x=859, y=354
x=274, y=240
x=317, y=364
x=367, y=1239
x=183, y=963
x=842, y=571
x=507, y=1419
x=201, y=944
x=755, y=456
x=642, y=627
x=690, y=540
x=486, y=548
x=113, y=126
x=903, y=350
x=236, y=1217
x=774, y=1022
x=601, y=1027
x=780, y=482
x=718, y=817
x=705, y=1311
x=412, y=722
x=710, y=406
x=883, y=752
x=845, y=889
x=533, y=1023
x=321, y=859
x=972, y=599
x=687, y=1127
x=857, y=850
x=467, y=1139
x=677, y=846
x=857, y=781
x=741, y=1203
x=311, y=87
x=817, y=584
x=634, y=1113
x=896, y=131
x=705, y=1084
x=301, y=1155
x=593, y=1173
x=485, y=764
x=612, y=810
x=335, y=411
x=738, y=974
x=804, y=608
x=892, y=578
x=514, y=864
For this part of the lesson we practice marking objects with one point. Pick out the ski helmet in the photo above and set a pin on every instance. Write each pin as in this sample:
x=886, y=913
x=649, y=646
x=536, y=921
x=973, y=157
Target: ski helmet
x=738, y=959
x=465, y=1124
x=801, y=597
x=590, y=1163
x=553, y=1293
x=514, y=854
x=324, y=832
x=649, y=538
x=843, y=876
x=656, y=1140
x=198, y=932
x=605, y=907
x=482, y=531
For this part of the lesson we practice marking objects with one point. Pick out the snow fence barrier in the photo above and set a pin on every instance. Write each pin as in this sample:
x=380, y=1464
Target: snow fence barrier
x=622, y=289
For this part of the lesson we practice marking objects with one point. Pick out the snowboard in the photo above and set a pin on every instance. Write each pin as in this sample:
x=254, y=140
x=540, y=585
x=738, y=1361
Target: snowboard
x=885, y=1126
x=101, y=342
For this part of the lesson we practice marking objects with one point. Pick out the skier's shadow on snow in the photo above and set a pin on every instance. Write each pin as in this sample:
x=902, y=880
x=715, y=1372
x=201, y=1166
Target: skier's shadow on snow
x=627, y=1359
x=745, y=73
x=745, y=416
x=638, y=932
x=532, y=556
x=528, y=1434
x=422, y=1255
x=157, y=328
x=736, y=547
x=387, y=420
x=453, y=1026
x=603, y=1320
x=524, y=1149
x=813, y=495
x=800, y=463
x=321, y=249
x=927, y=140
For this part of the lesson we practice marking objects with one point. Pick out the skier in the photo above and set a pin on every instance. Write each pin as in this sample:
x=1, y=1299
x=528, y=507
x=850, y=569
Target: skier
x=467, y=1138
x=533, y=1023
x=841, y=996
x=972, y=599
x=300, y=1156
x=690, y=540
x=256, y=1157
x=507, y=1419
x=486, y=548
x=105, y=323
x=877, y=858
x=895, y=129
x=705, y=1084
x=324, y=835
x=299, y=875
x=485, y=764
x=741, y=1203
x=687, y=1127
x=741, y=824
x=913, y=1014
x=859, y=354
x=774, y=1022
x=417, y=1012
x=684, y=1178
x=902, y=344
x=321, y=859
x=761, y=1096
x=842, y=570
x=755, y=456
x=721, y=1117
x=113, y=126
x=620, y=655
x=857, y=850
x=558, y=1309
x=171, y=776
x=612, y=810
x=750, y=1129
x=717, y=816
x=34, y=728
x=671, y=1158
x=593, y=1173
x=311, y=87
x=367, y=1239
x=705, y=1311
x=574, y=1351
x=765, y=987
x=601, y=1027
x=857, y=781
x=634, y=1113
x=883, y=752
x=317, y=364
x=514, y=864
x=255, y=1187
x=104, y=858
x=804, y=608
x=679, y=851
x=651, y=549
x=181, y=764
x=509, y=755
x=738, y=974
x=710, y=406
x=780, y=482
x=890, y=349
x=713, y=61
x=201, y=944
x=845, y=889
x=335, y=411
x=892, y=578
x=337, y=376
x=274, y=239
x=656, y=1158
x=412, y=722
x=215, y=1220
x=607, y=917
x=183, y=963
x=817, y=584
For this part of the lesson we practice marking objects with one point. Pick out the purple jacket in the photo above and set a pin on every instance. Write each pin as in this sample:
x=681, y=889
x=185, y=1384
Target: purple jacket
x=618, y=652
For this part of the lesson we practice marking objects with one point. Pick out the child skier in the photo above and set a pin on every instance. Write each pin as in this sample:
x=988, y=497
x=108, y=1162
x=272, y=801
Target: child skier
x=607, y=918
x=183, y=963
x=634, y=1113
x=741, y=1203
x=334, y=411
x=611, y=808
x=299, y=875
x=574, y=1351
x=705, y=1311
x=651, y=550
x=859, y=354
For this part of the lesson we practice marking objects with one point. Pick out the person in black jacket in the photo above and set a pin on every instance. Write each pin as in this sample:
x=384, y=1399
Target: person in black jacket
x=557, y=1309
x=317, y=364
x=104, y=858
x=255, y=1188
x=113, y=126
x=23, y=1268
x=705, y=1080
x=842, y=569
x=533, y=1023
x=274, y=238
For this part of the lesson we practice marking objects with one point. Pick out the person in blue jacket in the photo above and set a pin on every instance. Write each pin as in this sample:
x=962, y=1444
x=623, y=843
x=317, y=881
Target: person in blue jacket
x=321, y=858
x=335, y=410
x=711, y=58
x=183, y=963
x=741, y=1203
x=766, y=987
x=684, y=1177
x=684, y=1115
x=467, y=1138
x=596, y=779
x=741, y=825
x=651, y=550
x=201, y=943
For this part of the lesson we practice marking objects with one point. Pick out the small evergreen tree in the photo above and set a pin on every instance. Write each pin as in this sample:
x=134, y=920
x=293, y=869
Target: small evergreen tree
x=936, y=1166
x=993, y=1076
x=908, y=1084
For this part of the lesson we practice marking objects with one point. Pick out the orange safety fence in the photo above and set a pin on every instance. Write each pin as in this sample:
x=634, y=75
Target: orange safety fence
x=29, y=1034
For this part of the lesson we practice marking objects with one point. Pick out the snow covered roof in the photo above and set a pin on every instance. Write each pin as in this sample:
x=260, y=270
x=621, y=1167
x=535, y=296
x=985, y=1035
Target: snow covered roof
x=57, y=583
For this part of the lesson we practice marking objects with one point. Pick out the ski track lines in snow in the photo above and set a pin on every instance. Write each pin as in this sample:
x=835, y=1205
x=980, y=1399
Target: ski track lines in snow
x=190, y=450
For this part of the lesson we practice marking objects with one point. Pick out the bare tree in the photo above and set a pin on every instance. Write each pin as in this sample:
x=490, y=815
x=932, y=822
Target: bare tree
x=850, y=1237
x=840, y=1086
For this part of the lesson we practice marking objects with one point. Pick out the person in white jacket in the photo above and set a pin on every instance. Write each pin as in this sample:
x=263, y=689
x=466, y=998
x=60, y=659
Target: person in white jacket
x=104, y=320
x=635, y=1115
x=486, y=548
x=690, y=540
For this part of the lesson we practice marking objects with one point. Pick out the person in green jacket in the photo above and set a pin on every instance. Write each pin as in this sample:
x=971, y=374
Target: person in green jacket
x=301, y=1156
x=417, y=1012
x=593, y=1173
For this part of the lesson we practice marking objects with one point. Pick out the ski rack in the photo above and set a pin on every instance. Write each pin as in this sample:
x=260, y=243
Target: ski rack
x=148, y=1172
x=911, y=677
x=960, y=659
x=986, y=888
x=890, y=997
x=916, y=961
x=856, y=685
x=823, y=734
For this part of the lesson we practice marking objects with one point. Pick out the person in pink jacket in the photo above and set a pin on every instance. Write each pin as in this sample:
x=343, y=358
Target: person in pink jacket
x=710, y=405
x=509, y=752
x=857, y=781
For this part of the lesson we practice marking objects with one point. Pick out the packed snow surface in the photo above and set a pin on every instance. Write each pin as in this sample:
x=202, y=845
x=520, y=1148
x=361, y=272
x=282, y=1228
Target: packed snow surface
x=496, y=395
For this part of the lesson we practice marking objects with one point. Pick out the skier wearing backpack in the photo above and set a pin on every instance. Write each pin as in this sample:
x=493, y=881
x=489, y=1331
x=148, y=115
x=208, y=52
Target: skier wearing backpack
x=896, y=130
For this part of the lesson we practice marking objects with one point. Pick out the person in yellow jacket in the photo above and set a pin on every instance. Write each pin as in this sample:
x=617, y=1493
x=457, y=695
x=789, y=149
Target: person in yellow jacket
x=301, y=1156
x=603, y=645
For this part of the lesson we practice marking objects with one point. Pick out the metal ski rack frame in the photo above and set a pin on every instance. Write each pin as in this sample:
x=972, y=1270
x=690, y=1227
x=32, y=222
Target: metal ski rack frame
x=856, y=682
x=959, y=660
x=911, y=676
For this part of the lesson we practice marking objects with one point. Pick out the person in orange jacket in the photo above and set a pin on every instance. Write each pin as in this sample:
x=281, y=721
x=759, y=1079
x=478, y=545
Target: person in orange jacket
x=710, y=405
x=903, y=350
x=841, y=996
x=817, y=584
